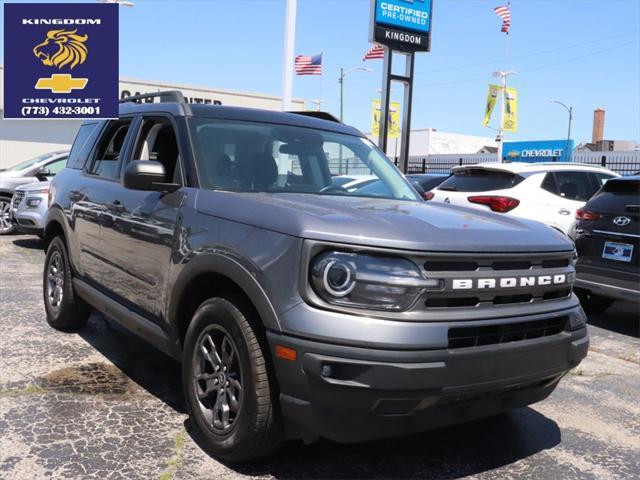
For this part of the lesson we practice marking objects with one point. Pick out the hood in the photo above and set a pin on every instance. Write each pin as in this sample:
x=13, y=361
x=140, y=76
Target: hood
x=12, y=174
x=383, y=223
x=34, y=186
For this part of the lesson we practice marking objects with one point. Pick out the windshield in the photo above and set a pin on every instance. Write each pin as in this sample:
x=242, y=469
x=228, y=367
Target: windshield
x=260, y=157
x=31, y=162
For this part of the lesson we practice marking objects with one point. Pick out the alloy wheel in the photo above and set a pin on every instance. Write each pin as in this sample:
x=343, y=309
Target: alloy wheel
x=217, y=378
x=55, y=281
x=5, y=220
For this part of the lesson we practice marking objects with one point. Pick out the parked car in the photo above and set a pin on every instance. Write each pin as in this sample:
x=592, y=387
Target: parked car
x=427, y=182
x=29, y=206
x=36, y=169
x=548, y=192
x=607, y=236
x=297, y=308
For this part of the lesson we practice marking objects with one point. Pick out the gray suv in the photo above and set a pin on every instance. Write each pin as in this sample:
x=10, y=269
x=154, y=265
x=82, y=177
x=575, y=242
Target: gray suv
x=299, y=309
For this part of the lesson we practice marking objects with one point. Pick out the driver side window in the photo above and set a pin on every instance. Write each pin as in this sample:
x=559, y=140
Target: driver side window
x=157, y=142
x=107, y=158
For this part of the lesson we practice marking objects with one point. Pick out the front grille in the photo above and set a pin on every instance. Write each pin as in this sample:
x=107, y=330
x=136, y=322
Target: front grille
x=17, y=198
x=461, y=337
x=465, y=276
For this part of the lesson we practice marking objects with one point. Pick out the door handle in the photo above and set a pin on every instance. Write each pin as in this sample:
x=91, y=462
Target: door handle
x=564, y=211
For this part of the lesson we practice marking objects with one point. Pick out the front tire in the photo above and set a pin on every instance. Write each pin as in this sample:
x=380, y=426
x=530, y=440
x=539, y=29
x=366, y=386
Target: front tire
x=230, y=393
x=6, y=227
x=65, y=310
x=593, y=303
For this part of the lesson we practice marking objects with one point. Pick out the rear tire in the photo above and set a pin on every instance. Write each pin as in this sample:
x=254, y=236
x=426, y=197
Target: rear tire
x=65, y=310
x=229, y=389
x=593, y=303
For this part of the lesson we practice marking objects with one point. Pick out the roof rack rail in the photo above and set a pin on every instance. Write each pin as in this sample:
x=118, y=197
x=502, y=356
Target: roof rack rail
x=317, y=114
x=168, y=96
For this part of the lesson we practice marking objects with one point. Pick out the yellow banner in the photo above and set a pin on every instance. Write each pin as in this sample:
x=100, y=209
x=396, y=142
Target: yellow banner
x=492, y=97
x=510, y=110
x=394, y=119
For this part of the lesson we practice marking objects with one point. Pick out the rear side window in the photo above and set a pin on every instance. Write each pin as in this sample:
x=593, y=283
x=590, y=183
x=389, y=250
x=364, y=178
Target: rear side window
x=82, y=145
x=480, y=180
x=569, y=185
x=617, y=196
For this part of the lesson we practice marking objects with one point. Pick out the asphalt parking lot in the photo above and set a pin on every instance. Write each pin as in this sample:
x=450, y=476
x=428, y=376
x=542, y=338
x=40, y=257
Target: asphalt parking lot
x=102, y=404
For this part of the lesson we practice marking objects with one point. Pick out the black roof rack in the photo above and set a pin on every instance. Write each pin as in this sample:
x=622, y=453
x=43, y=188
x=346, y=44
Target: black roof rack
x=317, y=114
x=168, y=96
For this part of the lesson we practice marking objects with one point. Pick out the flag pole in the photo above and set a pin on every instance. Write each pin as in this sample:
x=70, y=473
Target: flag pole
x=289, y=46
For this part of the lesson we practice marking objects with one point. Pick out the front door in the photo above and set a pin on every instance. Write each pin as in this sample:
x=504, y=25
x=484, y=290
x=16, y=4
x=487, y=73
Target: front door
x=139, y=241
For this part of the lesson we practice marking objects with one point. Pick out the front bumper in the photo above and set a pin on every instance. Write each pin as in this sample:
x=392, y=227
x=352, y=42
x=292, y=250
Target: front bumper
x=350, y=394
x=30, y=220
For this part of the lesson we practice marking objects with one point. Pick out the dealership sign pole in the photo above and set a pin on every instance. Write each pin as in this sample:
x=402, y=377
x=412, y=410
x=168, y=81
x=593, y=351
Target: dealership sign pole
x=402, y=26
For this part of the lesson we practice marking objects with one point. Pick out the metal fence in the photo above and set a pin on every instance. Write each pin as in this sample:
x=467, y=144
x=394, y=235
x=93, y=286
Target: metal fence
x=624, y=163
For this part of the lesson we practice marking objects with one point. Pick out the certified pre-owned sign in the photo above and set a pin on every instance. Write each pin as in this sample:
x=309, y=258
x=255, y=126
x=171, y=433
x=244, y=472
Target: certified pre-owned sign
x=60, y=60
x=402, y=24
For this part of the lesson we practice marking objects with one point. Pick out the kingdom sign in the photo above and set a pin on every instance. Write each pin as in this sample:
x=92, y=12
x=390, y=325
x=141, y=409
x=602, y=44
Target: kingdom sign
x=61, y=60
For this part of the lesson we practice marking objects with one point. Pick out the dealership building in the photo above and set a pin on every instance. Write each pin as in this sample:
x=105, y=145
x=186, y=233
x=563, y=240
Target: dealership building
x=23, y=139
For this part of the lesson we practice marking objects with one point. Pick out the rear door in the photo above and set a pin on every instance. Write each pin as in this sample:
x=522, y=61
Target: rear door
x=90, y=196
x=565, y=192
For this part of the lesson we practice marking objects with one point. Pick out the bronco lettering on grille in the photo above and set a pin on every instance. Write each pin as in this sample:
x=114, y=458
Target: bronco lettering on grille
x=508, y=282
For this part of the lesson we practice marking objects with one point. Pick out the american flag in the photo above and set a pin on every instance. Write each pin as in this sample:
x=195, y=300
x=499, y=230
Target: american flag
x=374, y=53
x=309, y=65
x=505, y=13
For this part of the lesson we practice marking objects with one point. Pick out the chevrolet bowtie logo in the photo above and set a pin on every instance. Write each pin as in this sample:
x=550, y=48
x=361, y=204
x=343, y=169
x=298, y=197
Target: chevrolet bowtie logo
x=61, y=83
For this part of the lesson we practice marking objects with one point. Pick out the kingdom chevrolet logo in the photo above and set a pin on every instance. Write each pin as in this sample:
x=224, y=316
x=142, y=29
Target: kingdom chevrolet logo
x=508, y=282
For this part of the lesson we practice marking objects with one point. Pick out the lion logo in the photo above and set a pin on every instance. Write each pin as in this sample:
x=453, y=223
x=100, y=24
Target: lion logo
x=61, y=48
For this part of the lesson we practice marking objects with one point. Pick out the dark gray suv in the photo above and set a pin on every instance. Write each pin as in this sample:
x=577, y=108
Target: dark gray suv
x=299, y=309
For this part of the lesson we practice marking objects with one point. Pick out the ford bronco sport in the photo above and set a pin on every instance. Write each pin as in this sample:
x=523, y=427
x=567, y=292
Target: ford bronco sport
x=299, y=309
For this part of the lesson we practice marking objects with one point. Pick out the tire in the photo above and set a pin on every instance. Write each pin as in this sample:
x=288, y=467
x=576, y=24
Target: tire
x=6, y=227
x=593, y=303
x=231, y=396
x=65, y=310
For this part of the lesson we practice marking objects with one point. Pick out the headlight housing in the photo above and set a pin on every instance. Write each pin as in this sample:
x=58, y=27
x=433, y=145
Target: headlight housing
x=364, y=281
x=33, y=202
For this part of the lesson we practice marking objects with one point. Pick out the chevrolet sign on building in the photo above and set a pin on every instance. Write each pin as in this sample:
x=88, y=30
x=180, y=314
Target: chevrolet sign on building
x=20, y=141
x=537, y=151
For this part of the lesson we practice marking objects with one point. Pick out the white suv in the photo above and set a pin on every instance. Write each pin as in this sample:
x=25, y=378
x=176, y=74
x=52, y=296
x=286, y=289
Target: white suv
x=548, y=192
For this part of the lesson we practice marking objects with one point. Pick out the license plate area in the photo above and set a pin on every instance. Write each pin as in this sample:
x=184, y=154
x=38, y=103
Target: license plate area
x=620, y=252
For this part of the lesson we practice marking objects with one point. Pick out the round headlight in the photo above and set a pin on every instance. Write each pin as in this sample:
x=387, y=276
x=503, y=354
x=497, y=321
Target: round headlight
x=338, y=278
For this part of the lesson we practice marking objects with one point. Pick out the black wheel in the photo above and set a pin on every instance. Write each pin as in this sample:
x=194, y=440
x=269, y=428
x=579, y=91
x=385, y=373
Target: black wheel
x=6, y=226
x=593, y=303
x=65, y=310
x=229, y=390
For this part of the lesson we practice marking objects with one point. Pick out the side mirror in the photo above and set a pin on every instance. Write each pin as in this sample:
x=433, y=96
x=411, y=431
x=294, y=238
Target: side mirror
x=147, y=175
x=42, y=173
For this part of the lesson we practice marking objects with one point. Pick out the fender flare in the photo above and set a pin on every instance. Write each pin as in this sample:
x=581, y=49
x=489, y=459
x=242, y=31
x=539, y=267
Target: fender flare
x=54, y=214
x=217, y=263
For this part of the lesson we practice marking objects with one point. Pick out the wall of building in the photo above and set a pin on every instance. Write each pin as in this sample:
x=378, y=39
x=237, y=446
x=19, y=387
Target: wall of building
x=429, y=141
x=23, y=139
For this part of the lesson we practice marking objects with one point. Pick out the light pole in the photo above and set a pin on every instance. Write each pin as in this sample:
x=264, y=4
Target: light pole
x=343, y=74
x=503, y=77
x=287, y=60
x=570, y=111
